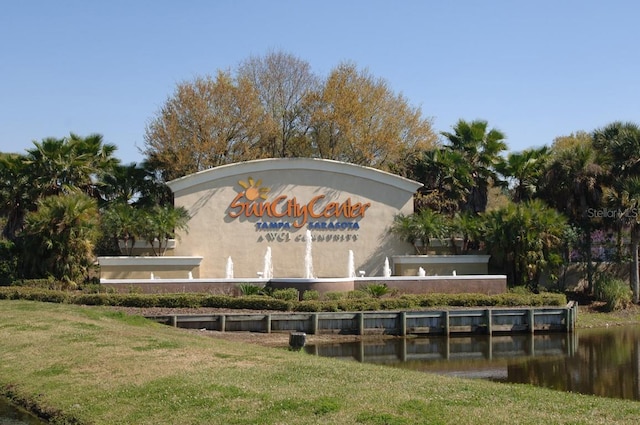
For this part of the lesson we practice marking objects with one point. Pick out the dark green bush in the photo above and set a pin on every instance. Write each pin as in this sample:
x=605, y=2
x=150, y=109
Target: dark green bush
x=334, y=295
x=311, y=295
x=218, y=301
x=284, y=303
x=180, y=300
x=288, y=294
x=261, y=302
x=136, y=300
x=96, y=288
x=357, y=295
x=366, y=304
x=397, y=304
x=94, y=299
x=8, y=262
x=33, y=294
x=309, y=306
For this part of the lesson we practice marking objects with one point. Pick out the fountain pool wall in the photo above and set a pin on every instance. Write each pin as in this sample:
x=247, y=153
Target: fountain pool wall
x=481, y=284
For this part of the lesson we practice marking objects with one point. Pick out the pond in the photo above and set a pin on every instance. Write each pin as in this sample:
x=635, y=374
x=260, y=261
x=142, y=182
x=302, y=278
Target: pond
x=603, y=362
x=12, y=415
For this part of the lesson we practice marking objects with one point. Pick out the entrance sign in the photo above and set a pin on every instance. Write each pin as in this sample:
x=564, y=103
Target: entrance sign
x=240, y=210
x=253, y=202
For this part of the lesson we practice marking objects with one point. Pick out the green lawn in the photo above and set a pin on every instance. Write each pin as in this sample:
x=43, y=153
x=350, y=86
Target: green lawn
x=94, y=366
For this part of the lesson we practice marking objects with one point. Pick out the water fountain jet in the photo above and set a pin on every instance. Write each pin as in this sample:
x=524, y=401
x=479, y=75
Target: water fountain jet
x=267, y=271
x=229, y=269
x=308, y=257
x=351, y=268
x=386, y=270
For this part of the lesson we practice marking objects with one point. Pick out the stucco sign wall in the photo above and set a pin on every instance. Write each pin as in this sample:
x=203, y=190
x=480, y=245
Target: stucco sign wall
x=239, y=211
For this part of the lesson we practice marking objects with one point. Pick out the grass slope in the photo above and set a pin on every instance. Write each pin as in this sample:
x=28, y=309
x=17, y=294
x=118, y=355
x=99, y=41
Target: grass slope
x=89, y=365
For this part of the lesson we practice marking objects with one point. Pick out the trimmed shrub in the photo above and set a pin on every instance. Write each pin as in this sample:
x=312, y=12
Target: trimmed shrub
x=311, y=306
x=33, y=294
x=287, y=299
x=218, y=301
x=396, y=304
x=136, y=300
x=366, y=304
x=357, y=295
x=94, y=299
x=180, y=300
x=310, y=295
x=334, y=296
x=260, y=302
x=288, y=294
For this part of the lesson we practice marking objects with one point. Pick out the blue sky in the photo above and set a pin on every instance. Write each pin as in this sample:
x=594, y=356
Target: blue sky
x=534, y=69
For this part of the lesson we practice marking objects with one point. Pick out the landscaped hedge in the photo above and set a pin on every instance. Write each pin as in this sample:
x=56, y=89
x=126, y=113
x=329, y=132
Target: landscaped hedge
x=264, y=302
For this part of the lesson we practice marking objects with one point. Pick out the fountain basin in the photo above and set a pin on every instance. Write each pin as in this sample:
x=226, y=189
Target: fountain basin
x=137, y=268
x=468, y=264
x=480, y=284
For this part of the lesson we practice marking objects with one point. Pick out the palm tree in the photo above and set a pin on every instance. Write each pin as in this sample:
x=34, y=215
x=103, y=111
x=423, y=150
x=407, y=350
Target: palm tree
x=419, y=228
x=525, y=169
x=573, y=184
x=60, y=236
x=528, y=237
x=122, y=223
x=160, y=224
x=446, y=177
x=15, y=193
x=619, y=146
x=467, y=226
x=481, y=149
x=59, y=165
x=631, y=201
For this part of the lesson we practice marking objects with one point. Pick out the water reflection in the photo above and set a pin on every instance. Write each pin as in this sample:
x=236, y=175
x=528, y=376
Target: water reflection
x=603, y=362
x=11, y=415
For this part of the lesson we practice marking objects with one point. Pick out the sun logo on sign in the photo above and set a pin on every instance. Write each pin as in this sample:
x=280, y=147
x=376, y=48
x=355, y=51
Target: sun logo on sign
x=252, y=189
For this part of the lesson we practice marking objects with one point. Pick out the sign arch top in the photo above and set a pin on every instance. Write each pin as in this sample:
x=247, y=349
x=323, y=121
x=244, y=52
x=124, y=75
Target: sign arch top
x=310, y=164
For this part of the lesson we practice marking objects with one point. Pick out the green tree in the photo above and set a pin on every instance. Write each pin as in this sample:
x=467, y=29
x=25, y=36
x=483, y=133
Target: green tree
x=420, y=228
x=468, y=227
x=528, y=237
x=160, y=223
x=524, y=171
x=573, y=184
x=121, y=223
x=481, y=148
x=447, y=180
x=136, y=184
x=60, y=236
x=630, y=200
x=618, y=146
x=59, y=166
x=16, y=193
